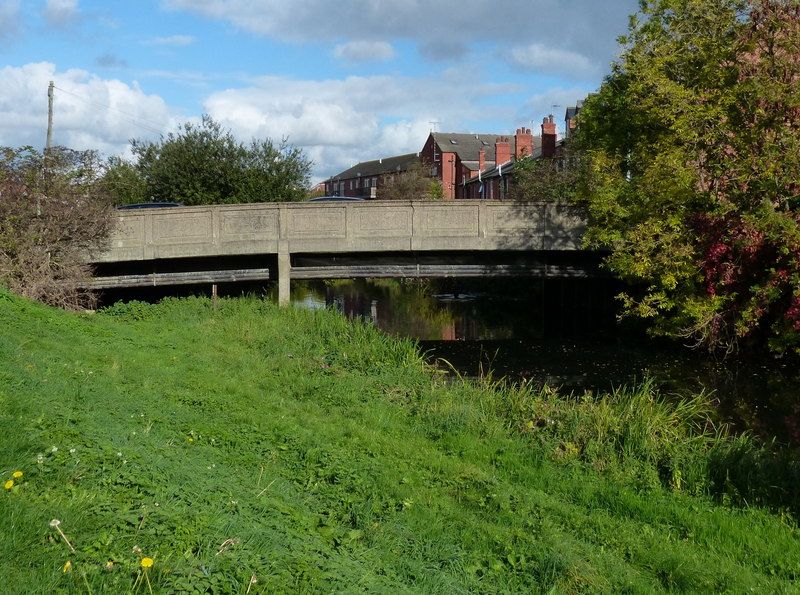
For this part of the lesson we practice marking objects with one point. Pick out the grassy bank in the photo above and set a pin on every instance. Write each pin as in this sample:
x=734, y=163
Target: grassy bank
x=302, y=452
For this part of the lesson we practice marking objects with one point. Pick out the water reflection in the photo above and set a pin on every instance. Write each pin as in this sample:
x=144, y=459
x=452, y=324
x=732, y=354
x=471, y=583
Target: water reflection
x=563, y=333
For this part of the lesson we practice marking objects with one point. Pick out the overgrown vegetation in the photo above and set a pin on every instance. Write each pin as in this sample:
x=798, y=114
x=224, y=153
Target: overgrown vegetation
x=252, y=448
x=694, y=145
x=205, y=164
x=556, y=179
x=411, y=184
x=54, y=213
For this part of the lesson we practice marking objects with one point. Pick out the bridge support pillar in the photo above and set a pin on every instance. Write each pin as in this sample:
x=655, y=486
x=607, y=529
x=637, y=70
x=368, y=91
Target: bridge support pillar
x=284, y=267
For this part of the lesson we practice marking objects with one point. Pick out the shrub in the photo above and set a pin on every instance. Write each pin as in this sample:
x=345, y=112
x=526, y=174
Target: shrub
x=52, y=217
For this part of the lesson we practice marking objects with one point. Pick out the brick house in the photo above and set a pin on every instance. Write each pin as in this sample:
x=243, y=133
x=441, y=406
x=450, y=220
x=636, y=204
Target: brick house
x=494, y=182
x=570, y=118
x=365, y=179
x=457, y=158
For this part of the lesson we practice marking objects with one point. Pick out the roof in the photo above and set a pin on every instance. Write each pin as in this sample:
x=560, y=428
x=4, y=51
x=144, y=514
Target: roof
x=493, y=172
x=508, y=167
x=575, y=109
x=379, y=166
x=468, y=146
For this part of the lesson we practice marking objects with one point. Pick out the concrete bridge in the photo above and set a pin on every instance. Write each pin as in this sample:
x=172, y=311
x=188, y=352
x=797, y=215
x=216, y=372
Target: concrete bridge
x=229, y=243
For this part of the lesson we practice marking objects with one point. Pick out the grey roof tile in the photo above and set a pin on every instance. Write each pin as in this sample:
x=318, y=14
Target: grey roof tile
x=378, y=166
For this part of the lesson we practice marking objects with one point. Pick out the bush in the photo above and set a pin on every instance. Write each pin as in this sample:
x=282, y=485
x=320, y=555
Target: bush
x=52, y=217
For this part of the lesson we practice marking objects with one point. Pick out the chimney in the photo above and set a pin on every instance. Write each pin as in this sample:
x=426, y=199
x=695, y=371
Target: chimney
x=548, y=137
x=482, y=159
x=502, y=150
x=523, y=140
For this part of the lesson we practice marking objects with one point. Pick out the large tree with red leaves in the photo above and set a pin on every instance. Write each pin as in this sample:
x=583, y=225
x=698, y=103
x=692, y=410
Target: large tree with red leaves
x=693, y=145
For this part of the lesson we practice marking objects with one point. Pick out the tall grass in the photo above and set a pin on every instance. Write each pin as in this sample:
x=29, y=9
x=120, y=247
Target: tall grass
x=650, y=440
x=313, y=454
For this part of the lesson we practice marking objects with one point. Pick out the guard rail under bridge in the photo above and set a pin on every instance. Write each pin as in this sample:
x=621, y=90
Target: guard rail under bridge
x=254, y=242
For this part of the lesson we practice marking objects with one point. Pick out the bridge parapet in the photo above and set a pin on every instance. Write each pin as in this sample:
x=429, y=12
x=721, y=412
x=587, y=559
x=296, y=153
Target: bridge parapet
x=369, y=226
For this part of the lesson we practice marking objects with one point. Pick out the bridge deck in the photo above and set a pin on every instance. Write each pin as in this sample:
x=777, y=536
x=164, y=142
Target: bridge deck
x=369, y=227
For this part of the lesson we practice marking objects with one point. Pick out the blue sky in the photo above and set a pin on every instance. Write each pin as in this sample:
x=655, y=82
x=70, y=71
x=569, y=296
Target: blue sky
x=346, y=80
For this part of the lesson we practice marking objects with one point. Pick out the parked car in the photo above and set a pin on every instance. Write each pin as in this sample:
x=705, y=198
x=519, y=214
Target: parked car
x=337, y=198
x=150, y=205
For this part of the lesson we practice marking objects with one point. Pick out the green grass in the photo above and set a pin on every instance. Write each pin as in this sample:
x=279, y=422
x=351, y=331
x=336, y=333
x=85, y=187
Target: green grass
x=329, y=458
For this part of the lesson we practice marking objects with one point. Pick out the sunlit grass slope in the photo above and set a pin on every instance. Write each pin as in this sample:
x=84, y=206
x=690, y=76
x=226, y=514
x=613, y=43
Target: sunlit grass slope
x=257, y=449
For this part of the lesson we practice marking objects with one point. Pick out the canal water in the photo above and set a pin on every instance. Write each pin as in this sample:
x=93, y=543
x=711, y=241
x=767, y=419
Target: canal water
x=563, y=333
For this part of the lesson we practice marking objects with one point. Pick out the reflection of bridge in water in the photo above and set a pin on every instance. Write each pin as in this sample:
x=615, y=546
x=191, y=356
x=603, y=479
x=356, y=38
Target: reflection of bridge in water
x=250, y=242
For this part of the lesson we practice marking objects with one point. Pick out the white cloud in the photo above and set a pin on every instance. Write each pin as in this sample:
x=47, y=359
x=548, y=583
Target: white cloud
x=537, y=57
x=60, y=13
x=444, y=29
x=340, y=122
x=89, y=112
x=553, y=101
x=173, y=40
x=364, y=51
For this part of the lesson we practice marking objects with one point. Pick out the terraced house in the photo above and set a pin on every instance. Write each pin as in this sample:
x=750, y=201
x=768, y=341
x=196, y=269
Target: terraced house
x=468, y=165
x=494, y=181
x=365, y=179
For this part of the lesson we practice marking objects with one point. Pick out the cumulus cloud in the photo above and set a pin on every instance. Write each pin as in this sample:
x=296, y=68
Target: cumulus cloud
x=364, y=51
x=553, y=101
x=173, y=40
x=443, y=29
x=60, y=13
x=89, y=112
x=10, y=23
x=443, y=50
x=340, y=122
x=540, y=58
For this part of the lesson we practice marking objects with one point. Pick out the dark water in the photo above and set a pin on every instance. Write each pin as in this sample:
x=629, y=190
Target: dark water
x=563, y=333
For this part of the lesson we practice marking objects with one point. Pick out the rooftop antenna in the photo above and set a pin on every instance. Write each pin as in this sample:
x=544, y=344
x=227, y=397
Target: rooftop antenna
x=434, y=125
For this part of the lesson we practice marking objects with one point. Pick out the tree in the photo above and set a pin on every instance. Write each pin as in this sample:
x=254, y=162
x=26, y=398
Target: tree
x=556, y=179
x=204, y=164
x=123, y=182
x=53, y=216
x=412, y=183
x=693, y=143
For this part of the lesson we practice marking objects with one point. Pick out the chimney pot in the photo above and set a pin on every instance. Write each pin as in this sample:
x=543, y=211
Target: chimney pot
x=524, y=143
x=548, y=137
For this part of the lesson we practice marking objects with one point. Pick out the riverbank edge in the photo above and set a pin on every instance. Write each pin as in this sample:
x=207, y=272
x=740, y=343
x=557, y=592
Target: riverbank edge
x=631, y=438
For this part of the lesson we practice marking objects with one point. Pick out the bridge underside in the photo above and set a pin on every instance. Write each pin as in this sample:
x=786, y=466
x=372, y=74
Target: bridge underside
x=213, y=270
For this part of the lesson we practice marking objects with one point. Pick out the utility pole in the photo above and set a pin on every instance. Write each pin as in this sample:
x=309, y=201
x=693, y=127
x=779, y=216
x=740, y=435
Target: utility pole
x=48, y=145
x=49, y=118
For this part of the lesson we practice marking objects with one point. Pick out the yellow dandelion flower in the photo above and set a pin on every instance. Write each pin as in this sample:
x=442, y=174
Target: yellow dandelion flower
x=16, y=474
x=67, y=566
x=147, y=562
x=9, y=484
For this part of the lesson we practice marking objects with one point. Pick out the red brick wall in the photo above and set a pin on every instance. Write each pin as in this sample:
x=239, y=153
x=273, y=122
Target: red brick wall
x=548, y=137
x=524, y=142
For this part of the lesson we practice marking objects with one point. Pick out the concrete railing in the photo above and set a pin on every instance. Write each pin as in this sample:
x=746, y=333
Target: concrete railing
x=373, y=226
x=331, y=227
